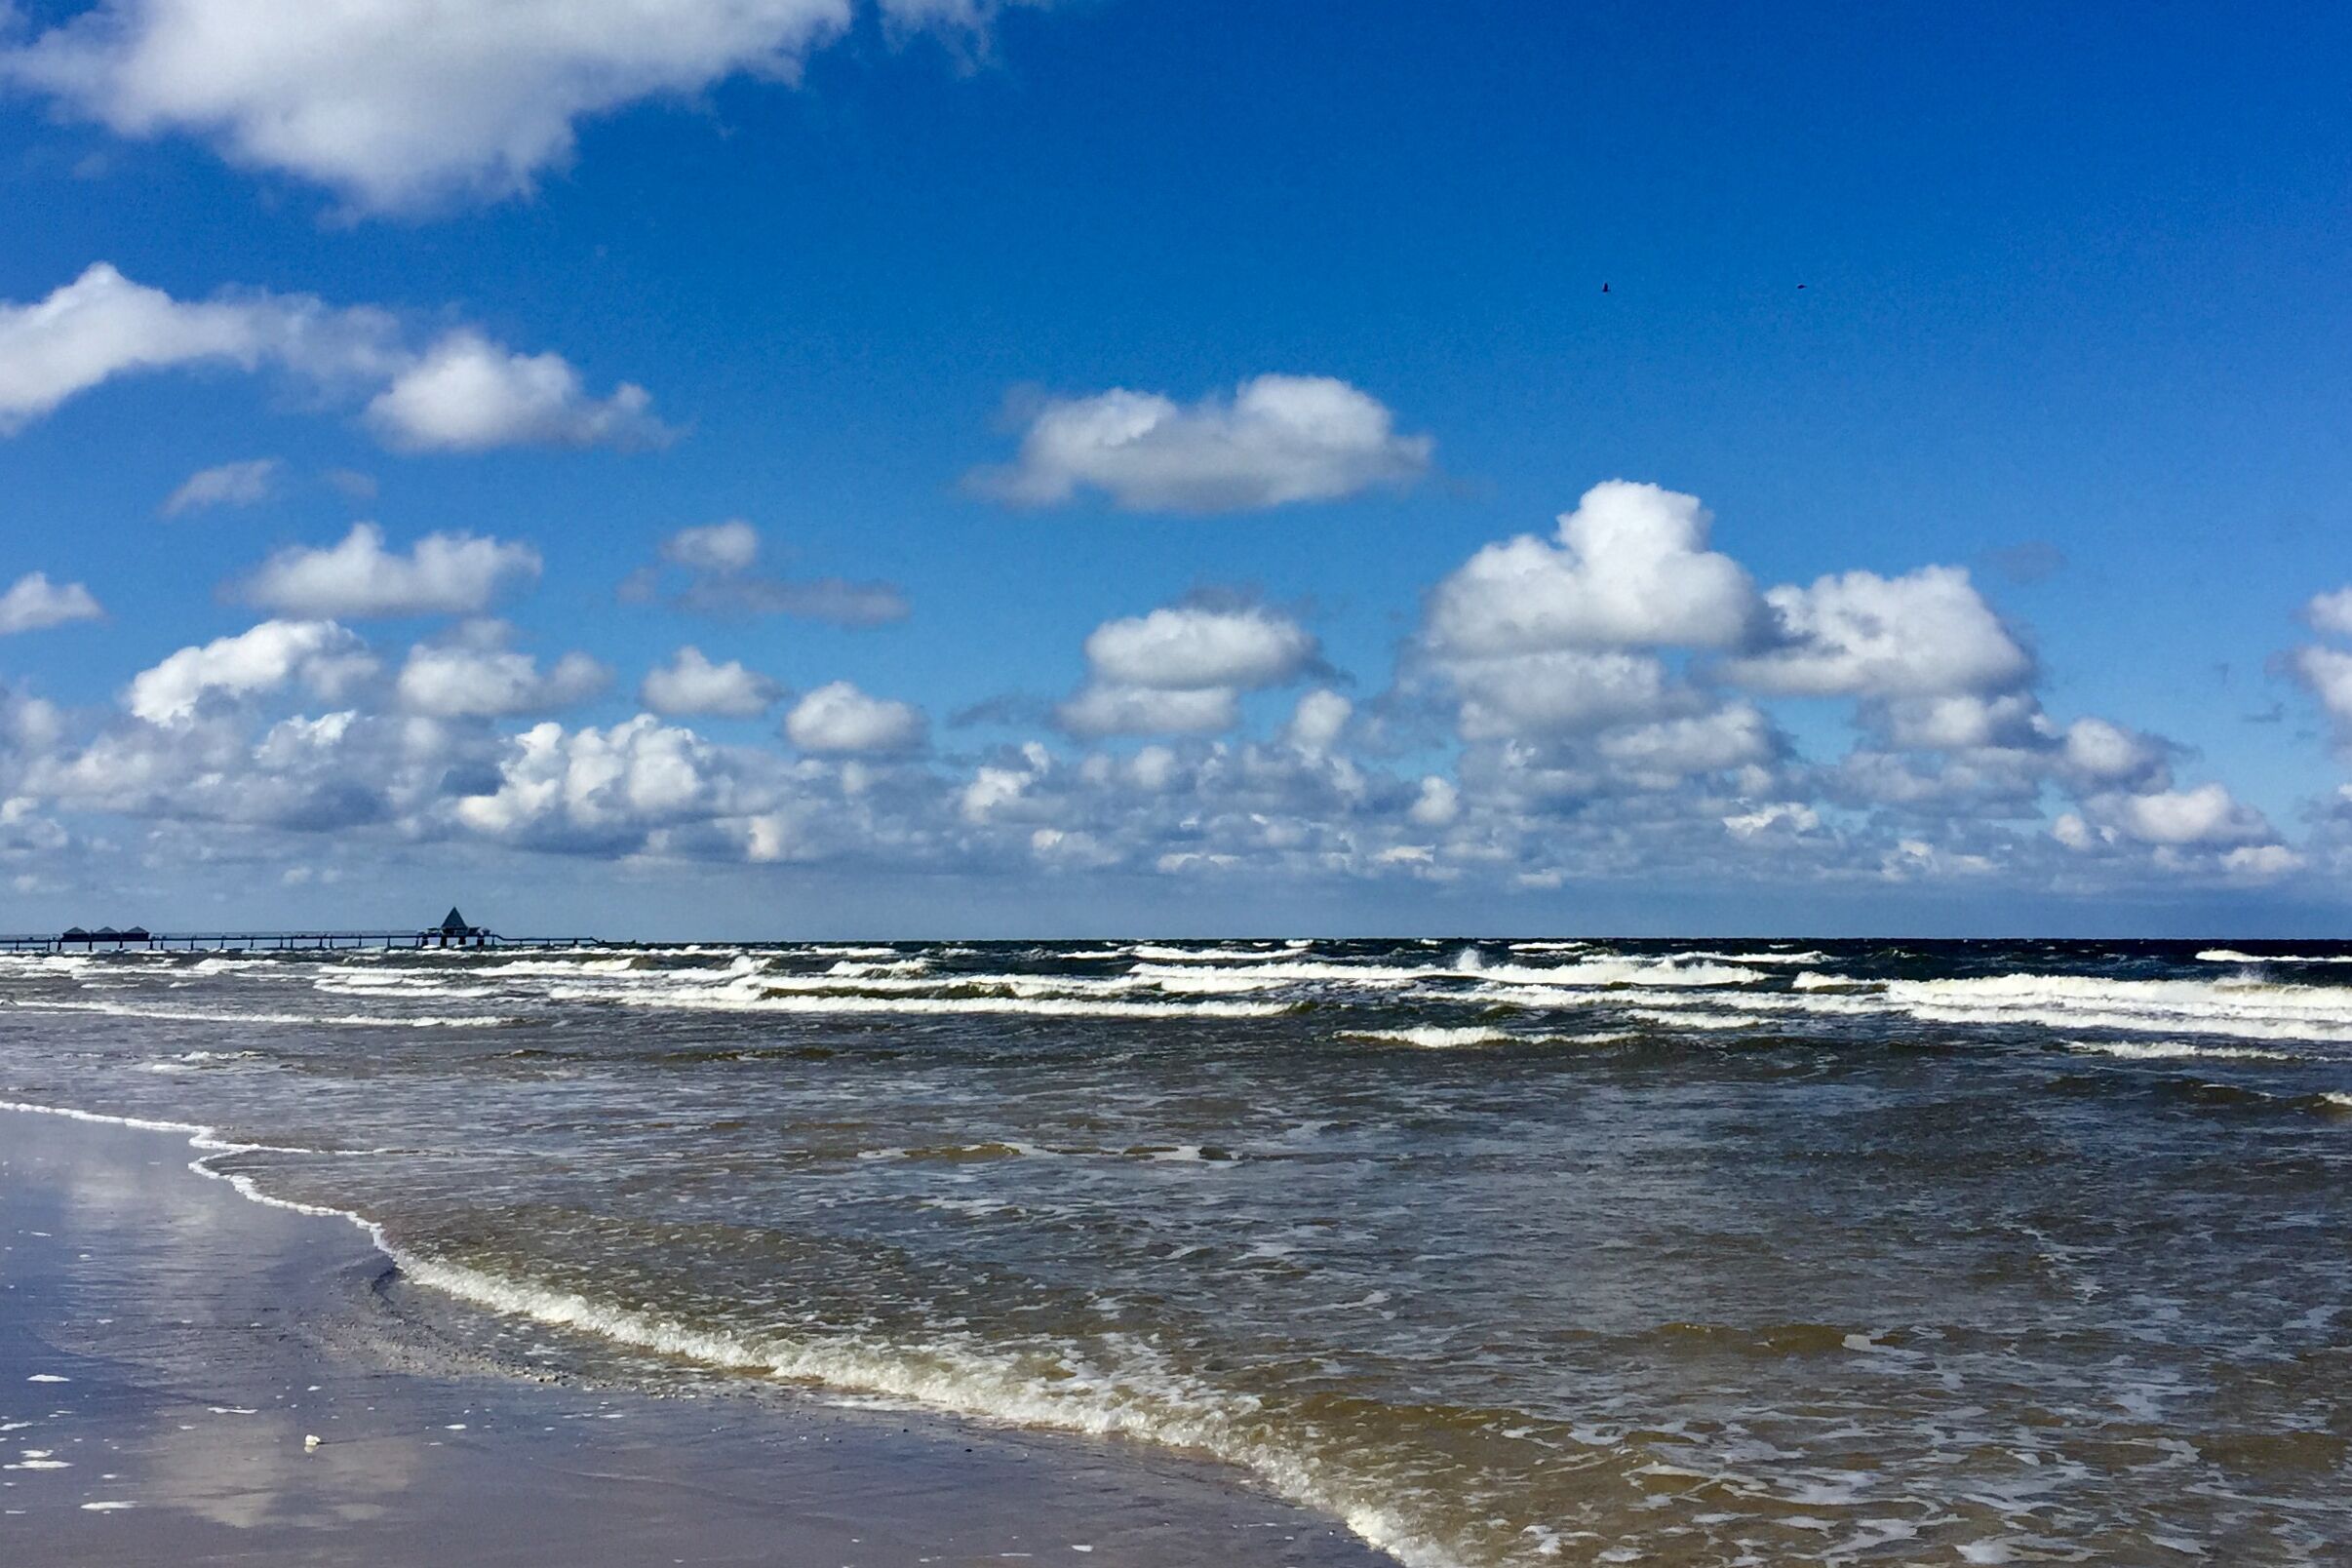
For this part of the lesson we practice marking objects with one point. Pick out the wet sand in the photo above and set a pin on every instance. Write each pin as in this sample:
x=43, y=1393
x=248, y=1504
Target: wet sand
x=166, y=1348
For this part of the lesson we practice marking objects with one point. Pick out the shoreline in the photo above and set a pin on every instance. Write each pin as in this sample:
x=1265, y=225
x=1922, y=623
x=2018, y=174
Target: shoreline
x=167, y=1345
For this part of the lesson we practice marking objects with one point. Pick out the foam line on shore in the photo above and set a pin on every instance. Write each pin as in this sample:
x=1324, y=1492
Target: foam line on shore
x=936, y=1378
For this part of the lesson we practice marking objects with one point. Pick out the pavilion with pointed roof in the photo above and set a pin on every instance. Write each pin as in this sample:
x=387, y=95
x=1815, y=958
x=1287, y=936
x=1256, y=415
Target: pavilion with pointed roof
x=455, y=932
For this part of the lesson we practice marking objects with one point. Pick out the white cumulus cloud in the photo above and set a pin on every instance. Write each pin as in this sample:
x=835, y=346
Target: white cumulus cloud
x=34, y=604
x=468, y=394
x=839, y=718
x=2327, y=673
x=1112, y=710
x=326, y=658
x=444, y=573
x=729, y=546
x=690, y=683
x=597, y=788
x=1278, y=438
x=1564, y=693
x=1630, y=570
x=462, y=393
x=2207, y=815
x=1185, y=648
x=1182, y=668
x=1927, y=633
x=1318, y=721
x=238, y=484
x=102, y=325
x=2331, y=613
x=476, y=676
x=719, y=557
x=401, y=103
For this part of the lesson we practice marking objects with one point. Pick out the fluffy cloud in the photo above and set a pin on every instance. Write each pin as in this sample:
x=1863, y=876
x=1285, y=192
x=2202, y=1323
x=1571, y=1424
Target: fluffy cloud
x=329, y=659
x=729, y=546
x=2327, y=673
x=468, y=394
x=102, y=325
x=1187, y=648
x=1278, y=438
x=1632, y=570
x=398, y=103
x=838, y=718
x=690, y=683
x=717, y=560
x=34, y=604
x=2095, y=752
x=1542, y=639
x=1318, y=721
x=1595, y=763
x=1180, y=669
x=1100, y=711
x=1565, y=692
x=1588, y=674
x=1924, y=634
x=477, y=676
x=1664, y=751
x=240, y=484
x=2331, y=613
x=599, y=788
x=444, y=575
x=462, y=393
x=2207, y=816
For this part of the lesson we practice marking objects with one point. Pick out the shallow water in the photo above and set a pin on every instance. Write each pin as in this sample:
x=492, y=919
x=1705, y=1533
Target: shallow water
x=1700, y=1253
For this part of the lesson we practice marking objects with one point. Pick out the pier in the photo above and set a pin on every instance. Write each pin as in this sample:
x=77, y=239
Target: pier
x=454, y=932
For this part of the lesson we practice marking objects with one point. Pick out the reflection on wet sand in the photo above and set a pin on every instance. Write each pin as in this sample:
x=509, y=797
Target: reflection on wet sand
x=167, y=1350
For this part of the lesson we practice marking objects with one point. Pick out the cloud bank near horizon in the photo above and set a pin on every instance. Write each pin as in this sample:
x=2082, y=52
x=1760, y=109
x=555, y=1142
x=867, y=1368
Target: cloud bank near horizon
x=1601, y=705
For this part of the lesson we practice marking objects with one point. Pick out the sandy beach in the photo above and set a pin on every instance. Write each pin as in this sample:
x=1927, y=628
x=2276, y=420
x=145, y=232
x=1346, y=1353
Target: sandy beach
x=167, y=1350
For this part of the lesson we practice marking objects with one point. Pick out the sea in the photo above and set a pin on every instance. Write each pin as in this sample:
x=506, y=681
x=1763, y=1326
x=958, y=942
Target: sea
x=1499, y=1253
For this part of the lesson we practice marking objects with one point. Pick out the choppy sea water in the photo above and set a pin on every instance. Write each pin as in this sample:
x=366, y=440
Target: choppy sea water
x=1501, y=1252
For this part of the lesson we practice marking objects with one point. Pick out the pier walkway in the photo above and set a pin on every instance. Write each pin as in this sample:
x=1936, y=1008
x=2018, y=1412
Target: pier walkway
x=453, y=932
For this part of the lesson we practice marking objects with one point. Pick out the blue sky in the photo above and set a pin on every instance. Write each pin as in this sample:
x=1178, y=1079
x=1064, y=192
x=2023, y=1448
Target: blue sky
x=2071, y=320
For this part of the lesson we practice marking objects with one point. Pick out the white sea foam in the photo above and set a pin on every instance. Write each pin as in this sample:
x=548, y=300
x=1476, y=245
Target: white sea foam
x=1542, y=997
x=1147, y=1401
x=227, y=965
x=961, y=986
x=847, y=969
x=1707, y=956
x=765, y=994
x=1695, y=1019
x=2168, y=1050
x=1206, y=984
x=383, y=983
x=1467, y=965
x=197, y=1061
x=2233, y=955
x=1275, y=969
x=526, y=966
x=2249, y=1009
x=1432, y=1037
x=1667, y=971
x=1205, y=955
x=1055, y=1389
x=112, y=1009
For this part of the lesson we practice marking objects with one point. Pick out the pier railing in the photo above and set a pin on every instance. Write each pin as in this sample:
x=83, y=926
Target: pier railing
x=275, y=941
